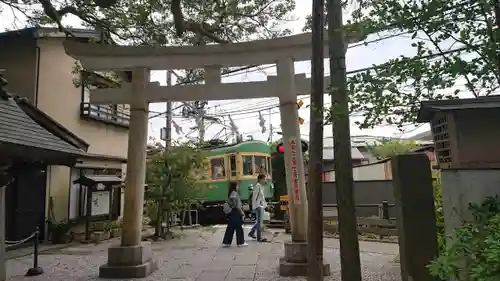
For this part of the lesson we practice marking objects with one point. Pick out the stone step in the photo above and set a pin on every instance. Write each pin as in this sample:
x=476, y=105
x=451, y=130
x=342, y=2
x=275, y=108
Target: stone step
x=293, y=269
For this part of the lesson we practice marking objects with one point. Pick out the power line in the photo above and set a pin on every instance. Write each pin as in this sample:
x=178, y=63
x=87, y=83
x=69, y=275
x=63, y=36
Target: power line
x=234, y=72
x=268, y=107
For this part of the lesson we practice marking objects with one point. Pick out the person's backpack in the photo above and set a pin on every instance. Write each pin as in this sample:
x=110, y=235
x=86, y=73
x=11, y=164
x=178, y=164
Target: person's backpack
x=226, y=208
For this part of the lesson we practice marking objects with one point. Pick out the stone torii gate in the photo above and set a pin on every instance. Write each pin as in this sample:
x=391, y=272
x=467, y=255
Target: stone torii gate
x=133, y=259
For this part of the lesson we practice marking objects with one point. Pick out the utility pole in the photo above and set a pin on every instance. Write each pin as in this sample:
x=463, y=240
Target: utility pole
x=225, y=128
x=348, y=233
x=168, y=124
x=314, y=186
x=270, y=128
x=201, y=129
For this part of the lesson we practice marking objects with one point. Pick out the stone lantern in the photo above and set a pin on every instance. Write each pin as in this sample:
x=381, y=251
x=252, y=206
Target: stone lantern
x=466, y=137
x=465, y=132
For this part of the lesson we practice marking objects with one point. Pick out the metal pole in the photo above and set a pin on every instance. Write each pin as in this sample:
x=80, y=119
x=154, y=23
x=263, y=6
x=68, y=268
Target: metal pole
x=348, y=233
x=314, y=188
x=35, y=270
x=35, y=250
x=168, y=124
x=385, y=210
x=3, y=271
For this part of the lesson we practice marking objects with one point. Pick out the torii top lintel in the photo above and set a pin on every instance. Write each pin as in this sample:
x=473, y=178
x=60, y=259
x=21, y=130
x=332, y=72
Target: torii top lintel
x=112, y=57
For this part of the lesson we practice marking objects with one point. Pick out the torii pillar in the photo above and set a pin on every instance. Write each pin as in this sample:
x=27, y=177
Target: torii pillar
x=294, y=263
x=133, y=258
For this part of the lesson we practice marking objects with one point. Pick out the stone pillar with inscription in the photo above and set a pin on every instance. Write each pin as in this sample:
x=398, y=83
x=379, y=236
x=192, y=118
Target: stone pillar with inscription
x=294, y=263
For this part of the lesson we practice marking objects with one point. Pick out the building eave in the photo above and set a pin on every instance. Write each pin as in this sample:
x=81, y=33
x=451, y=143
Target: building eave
x=428, y=108
x=104, y=157
x=50, y=124
x=48, y=32
x=29, y=130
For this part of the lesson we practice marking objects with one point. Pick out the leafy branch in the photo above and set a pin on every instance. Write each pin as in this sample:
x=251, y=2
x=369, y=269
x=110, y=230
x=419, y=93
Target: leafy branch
x=390, y=93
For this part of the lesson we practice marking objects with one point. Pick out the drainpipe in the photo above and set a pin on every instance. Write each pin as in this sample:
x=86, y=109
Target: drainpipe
x=35, y=102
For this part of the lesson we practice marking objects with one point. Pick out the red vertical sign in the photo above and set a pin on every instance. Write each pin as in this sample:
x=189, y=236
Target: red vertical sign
x=292, y=146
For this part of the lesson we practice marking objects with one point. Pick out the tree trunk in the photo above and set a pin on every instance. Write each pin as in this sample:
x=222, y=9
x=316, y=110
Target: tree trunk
x=348, y=233
x=183, y=217
x=190, y=218
x=169, y=221
x=159, y=206
x=315, y=210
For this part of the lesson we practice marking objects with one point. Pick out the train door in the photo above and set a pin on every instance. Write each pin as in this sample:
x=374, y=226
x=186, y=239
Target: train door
x=232, y=167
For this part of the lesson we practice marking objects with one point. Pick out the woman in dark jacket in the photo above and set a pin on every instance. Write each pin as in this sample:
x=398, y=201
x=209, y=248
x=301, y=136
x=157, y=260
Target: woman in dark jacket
x=235, y=218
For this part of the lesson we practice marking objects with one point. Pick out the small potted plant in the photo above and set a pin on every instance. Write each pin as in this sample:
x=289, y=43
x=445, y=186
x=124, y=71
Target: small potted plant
x=115, y=229
x=59, y=231
x=107, y=231
x=78, y=232
x=101, y=231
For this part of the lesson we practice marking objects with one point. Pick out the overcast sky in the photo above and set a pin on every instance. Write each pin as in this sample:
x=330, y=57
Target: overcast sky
x=245, y=113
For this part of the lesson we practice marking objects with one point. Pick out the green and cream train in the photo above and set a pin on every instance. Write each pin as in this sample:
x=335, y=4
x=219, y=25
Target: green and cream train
x=241, y=162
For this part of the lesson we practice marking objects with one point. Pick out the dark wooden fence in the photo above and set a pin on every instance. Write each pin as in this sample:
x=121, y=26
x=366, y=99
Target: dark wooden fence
x=381, y=225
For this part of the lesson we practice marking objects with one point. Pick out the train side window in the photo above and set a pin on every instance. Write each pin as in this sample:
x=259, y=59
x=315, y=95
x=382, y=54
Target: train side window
x=217, y=167
x=260, y=165
x=233, y=165
x=269, y=167
x=247, y=165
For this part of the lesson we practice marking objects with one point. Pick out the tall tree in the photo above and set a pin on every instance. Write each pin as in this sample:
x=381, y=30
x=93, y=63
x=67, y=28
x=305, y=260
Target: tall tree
x=314, y=188
x=339, y=112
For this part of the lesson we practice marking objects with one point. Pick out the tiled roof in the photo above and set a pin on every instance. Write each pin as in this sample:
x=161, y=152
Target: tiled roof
x=17, y=128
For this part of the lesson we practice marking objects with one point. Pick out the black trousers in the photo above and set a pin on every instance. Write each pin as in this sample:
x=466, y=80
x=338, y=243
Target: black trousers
x=234, y=224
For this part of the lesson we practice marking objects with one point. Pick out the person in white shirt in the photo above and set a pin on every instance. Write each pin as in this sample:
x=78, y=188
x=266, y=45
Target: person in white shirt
x=258, y=205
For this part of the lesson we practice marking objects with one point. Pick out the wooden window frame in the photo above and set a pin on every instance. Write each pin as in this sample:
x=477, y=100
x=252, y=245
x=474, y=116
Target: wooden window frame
x=225, y=160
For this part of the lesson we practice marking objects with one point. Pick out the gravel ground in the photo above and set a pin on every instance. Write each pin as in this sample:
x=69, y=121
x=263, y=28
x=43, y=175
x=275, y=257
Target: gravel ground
x=197, y=256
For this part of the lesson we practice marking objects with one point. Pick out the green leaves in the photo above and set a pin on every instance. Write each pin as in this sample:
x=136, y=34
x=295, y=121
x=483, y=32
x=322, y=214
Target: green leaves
x=164, y=23
x=455, y=44
x=473, y=250
x=390, y=148
x=173, y=176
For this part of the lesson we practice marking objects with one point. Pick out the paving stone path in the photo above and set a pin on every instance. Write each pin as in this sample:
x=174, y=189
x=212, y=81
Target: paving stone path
x=197, y=256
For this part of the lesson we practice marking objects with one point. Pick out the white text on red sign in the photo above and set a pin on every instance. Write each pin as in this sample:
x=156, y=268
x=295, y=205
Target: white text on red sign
x=292, y=145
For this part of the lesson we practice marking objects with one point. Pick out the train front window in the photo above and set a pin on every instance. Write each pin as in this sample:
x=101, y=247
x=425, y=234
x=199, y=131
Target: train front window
x=247, y=165
x=217, y=167
x=260, y=165
x=233, y=165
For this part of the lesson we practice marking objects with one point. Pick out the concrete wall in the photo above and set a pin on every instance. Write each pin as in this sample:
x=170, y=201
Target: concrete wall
x=380, y=170
x=461, y=187
x=368, y=172
x=365, y=192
